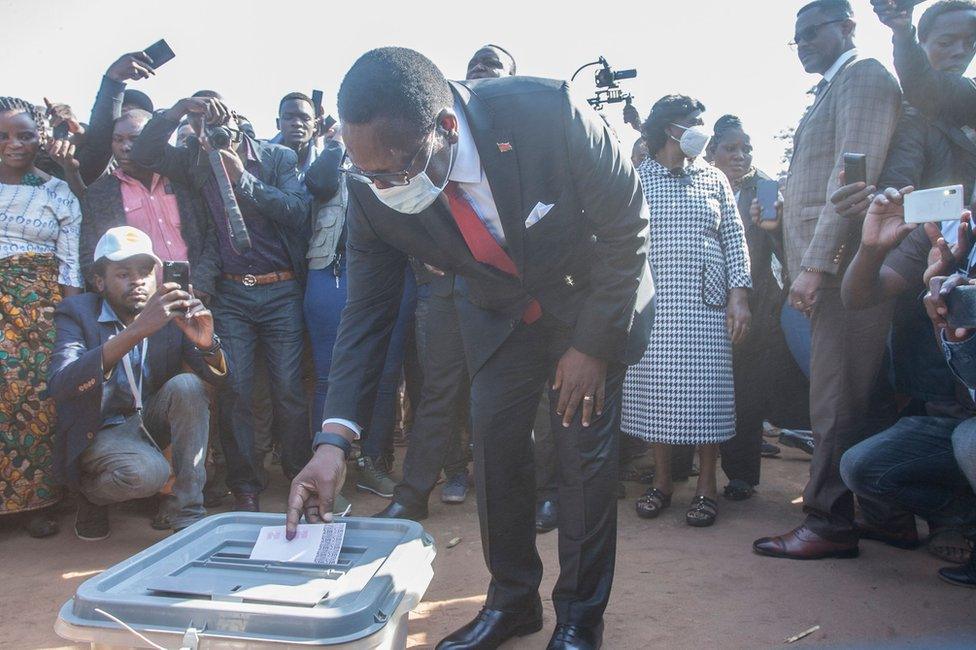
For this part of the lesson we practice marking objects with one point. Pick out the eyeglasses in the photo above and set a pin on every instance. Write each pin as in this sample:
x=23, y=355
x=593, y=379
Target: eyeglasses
x=809, y=33
x=394, y=179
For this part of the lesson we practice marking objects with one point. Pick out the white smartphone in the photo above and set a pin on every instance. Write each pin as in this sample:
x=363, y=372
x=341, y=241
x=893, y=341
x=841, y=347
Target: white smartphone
x=937, y=204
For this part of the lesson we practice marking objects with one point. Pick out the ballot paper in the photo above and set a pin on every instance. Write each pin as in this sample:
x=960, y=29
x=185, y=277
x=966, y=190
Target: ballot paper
x=313, y=544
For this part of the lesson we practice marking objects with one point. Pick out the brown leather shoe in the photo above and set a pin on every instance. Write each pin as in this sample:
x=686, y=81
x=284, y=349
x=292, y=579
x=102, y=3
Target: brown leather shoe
x=246, y=502
x=801, y=543
x=905, y=539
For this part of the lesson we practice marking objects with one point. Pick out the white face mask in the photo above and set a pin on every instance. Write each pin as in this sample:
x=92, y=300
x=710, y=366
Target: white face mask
x=693, y=141
x=417, y=195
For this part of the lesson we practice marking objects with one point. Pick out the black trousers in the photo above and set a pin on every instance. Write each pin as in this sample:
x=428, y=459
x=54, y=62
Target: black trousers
x=505, y=395
x=442, y=409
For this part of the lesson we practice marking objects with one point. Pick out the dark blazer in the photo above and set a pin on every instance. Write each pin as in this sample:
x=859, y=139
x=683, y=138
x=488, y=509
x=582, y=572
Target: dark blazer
x=75, y=375
x=101, y=209
x=585, y=261
x=278, y=194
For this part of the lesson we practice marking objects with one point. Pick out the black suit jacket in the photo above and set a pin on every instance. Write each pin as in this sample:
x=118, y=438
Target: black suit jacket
x=585, y=261
x=75, y=375
x=102, y=209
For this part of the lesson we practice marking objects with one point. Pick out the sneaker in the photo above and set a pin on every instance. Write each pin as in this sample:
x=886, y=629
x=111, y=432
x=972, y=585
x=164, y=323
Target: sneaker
x=375, y=478
x=456, y=488
x=798, y=439
x=91, y=523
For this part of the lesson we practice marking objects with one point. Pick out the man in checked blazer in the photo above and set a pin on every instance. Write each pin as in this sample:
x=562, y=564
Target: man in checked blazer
x=855, y=109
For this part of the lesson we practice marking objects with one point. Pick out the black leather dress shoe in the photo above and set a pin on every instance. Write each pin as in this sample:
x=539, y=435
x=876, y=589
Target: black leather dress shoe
x=546, y=516
x=492, y=627
x=576, y=637
x=399, y=511
x=960, y=576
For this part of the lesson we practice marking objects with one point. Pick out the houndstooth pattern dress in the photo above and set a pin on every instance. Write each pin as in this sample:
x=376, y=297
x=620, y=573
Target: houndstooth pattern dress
x=681, y=392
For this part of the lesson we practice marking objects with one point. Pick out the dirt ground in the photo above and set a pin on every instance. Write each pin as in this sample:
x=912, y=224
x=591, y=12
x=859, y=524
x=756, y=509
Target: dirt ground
x=675, y=586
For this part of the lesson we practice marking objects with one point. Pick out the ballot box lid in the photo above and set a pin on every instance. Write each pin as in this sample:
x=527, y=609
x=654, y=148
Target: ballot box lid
x=202, y=578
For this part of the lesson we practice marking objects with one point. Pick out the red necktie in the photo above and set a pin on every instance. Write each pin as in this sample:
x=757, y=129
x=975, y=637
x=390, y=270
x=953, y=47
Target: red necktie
x=483, y=245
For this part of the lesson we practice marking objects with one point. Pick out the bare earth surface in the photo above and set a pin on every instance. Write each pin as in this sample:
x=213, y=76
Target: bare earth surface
x=675, y=587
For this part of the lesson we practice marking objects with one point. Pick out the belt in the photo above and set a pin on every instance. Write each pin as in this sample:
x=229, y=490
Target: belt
x=250, y=280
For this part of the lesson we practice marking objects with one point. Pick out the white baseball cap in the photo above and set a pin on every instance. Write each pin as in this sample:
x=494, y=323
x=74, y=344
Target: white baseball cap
x=123, y=242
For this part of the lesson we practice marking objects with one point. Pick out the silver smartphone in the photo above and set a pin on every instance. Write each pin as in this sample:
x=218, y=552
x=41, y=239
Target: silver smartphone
x=937, y=204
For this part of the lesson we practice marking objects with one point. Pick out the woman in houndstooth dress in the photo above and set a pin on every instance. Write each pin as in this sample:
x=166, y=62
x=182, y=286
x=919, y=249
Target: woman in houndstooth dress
x=681, y=392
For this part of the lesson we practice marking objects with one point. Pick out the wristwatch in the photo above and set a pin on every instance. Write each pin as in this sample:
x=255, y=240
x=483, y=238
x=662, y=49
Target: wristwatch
x=212, y=350
x=334, y=440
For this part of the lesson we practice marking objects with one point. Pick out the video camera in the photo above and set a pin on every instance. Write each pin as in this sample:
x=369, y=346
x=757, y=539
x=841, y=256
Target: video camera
x=606, y=78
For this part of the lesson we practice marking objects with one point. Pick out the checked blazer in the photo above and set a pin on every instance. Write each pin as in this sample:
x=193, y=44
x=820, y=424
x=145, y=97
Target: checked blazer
x=855, y=113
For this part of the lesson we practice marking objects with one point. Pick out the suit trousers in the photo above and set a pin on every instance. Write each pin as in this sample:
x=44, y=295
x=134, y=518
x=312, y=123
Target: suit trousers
x=847, y=405
x=505, y=395
x=441, y=414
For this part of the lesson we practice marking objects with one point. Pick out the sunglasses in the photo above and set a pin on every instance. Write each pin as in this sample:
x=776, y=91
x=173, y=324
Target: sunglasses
x=393, y=179
x=807, y=34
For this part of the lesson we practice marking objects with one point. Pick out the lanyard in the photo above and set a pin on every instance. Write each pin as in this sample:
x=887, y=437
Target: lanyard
x=127, y=366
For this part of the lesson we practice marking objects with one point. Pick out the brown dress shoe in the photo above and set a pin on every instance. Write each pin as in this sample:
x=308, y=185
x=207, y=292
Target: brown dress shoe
x=801, y=543
x=246, y=502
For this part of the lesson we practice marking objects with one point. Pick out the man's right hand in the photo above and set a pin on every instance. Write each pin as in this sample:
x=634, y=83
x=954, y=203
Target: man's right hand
x=936, y=306
x=131, y=67
x=168, y=302
x=852, y=200
x=884, y=224
x=314, y=490
x=896, y=18
x=943, y=259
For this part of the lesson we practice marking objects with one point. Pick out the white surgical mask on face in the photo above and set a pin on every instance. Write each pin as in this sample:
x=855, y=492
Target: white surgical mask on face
x=417, y=195
x=693, y=141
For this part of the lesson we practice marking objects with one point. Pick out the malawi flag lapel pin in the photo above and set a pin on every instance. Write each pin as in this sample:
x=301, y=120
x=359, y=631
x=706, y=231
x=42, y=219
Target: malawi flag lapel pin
x=504, y=147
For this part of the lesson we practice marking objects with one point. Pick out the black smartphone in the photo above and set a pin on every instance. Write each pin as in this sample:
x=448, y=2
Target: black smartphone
x=178, y=272
x=317, y=101
x=160, y=53
x=962, y=307
x=328, y=122
x=767, y=193
x=61, y=131
x=855, y=168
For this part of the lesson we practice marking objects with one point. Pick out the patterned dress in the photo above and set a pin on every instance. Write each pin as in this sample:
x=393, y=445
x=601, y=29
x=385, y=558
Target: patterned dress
x=681, y=392
x=39, y=228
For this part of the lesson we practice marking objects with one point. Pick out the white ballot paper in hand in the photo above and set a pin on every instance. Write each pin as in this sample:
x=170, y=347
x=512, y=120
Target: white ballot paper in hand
x=313, y=544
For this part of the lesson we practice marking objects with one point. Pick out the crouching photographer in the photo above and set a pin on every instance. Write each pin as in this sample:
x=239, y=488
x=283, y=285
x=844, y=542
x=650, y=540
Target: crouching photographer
x=260, y=212
x=923, y=464
x=122, y=396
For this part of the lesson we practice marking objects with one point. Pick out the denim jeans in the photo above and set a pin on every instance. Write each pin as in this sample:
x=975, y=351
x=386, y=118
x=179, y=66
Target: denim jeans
x=796, y=329
x=272, y=315
x=324, y=302
x=124, y=461
x=912, y=465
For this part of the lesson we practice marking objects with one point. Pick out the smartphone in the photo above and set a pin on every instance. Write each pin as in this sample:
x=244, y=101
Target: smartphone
x=178, y=272
x=317, y=101
x=328, y=122
x=855, y=168
x=61, y=131
x=767, y=193
x=160, y=53
x=962, y=307
x=937, y=204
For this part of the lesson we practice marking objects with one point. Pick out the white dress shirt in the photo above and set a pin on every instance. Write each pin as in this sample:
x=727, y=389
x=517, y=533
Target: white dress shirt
x=839, y=63
x=470, y=176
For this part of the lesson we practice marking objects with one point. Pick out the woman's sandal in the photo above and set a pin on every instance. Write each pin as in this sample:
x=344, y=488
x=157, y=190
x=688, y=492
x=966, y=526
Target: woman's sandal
x=652, y=503
x=702, y=512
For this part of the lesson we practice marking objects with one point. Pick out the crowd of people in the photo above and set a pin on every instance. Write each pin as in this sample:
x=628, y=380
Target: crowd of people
x=393, y=286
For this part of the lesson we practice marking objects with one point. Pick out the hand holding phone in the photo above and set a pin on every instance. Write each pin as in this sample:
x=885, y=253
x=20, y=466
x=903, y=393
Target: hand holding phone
x=767, y=193
x=178, y=272
x=855, y=168
x=936, y=204
x=159, y=53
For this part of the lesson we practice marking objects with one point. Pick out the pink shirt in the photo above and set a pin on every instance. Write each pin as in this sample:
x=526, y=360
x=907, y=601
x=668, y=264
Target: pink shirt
x=155, y=212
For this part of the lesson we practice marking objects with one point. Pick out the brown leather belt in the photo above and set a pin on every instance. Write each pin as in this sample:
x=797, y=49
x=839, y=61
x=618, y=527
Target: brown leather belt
x=250, y=280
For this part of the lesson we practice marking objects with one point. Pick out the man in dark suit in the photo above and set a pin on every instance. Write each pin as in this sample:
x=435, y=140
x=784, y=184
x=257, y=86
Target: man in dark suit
x=522, y=193
x=122, y=395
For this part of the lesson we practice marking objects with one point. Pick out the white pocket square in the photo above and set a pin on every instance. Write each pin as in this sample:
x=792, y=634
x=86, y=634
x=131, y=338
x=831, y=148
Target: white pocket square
x=540, y=210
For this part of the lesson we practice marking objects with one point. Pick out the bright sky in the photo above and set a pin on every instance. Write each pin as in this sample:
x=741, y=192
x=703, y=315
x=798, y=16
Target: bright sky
x=731, y=54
